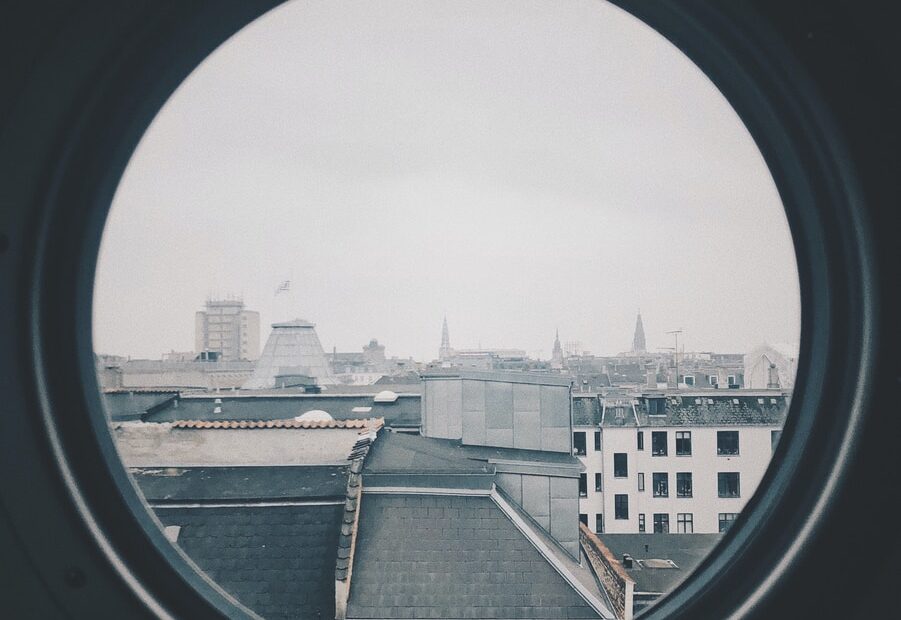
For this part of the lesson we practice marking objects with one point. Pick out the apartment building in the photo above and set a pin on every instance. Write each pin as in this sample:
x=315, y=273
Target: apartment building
x=227, y=328
x=673, y=462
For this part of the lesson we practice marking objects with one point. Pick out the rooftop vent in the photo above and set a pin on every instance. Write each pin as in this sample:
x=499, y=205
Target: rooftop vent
x=627, y=560
x=385, y=396
x=314, y=415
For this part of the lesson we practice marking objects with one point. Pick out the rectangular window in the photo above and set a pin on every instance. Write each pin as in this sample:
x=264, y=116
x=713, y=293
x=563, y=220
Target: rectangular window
x=579, y=443
x=727, y=442
x=597, y=441
x=641, y=526
x=728, y=484
x=688, y=380
x=656, y=406
x=599, y=523
x=661, y=523
x=661, y=484
x=641, y=440
x=658, y=443
x=620, y=507
x=774, y=438
x=583, y=518
x=683, y=443
x=598, y=482
x=583, y=486
x=713, y=380
x=683, y=484
x=620, y=465
x=685, y=523
x=726, y=519
x=732, y=381
x=641, y=482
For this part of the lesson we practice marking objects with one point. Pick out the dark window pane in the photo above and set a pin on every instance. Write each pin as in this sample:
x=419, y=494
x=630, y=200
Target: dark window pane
x=597, y=441
x=658, y=443
x=598, y=482
x=641, y=440
x=621, y=507
x=661, y=485
x=727, y=442
x=661, y=523
x=583, y=486
x=583, y=518
x=579, y=443
x=683, y=443
x=599, y=523
x=620, y=465
x=728, y=484
x=683, y=484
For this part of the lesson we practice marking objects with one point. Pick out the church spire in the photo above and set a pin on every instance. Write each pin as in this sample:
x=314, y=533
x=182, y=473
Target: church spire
x=638, y=342
x=557, y=356
x=445, y=351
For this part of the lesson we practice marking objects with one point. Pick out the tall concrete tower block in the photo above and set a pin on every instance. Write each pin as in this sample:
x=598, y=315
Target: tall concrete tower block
x=293, y=348
x=229, y=329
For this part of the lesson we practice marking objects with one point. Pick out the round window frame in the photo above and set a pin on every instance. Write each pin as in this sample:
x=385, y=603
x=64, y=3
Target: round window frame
x=53, y=255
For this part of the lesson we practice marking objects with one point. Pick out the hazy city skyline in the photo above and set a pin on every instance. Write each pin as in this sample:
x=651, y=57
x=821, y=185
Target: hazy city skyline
x=517, y=167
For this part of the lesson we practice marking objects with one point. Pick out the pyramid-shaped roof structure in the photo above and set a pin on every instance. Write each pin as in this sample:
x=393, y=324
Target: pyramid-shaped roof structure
x=293, y=348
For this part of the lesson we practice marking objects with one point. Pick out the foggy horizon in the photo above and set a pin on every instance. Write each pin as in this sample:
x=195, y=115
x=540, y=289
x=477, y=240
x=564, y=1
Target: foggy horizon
x=517, y=167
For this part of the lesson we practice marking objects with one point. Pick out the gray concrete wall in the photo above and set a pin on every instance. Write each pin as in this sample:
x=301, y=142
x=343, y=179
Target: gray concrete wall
x=506, y=410
x=553, y=502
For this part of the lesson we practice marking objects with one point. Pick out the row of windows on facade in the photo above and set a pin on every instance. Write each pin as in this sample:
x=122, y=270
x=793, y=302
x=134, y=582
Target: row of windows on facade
x=726, y=442
x=685, y=522
x=728, y=484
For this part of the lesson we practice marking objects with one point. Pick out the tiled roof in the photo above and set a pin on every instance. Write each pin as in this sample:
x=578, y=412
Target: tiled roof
x=278, y=561
x=586, y=411
x=451, y=557
x=291, y=423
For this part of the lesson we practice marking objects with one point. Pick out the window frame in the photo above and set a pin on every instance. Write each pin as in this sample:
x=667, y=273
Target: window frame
x=620, y=507
x=680, y=477
x=720, y=450
x=621, y=472
x=660, y=483
x=720, y=478
x=685, y=523
x=687, y=436
x=655, y=451
x=661, y=520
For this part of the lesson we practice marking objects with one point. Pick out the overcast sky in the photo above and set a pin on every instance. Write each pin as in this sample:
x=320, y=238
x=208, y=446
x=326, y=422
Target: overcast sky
x=517, y=166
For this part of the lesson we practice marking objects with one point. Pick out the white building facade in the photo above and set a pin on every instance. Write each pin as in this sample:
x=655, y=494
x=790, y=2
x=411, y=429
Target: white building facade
x=678, y=462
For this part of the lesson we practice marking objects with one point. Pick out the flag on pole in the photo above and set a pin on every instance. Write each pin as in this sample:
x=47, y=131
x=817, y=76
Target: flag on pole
x=284, y=286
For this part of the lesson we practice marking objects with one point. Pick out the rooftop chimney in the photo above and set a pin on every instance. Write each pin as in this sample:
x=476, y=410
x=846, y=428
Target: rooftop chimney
x=627, y=560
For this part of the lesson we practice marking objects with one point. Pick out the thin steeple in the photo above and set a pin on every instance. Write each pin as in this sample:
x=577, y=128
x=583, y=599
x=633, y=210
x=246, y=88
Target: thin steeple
x=638, y=341
x=445, y=351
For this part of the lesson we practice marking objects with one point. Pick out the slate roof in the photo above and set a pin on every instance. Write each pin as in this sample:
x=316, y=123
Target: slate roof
x=131, y=404
x=686, y=550
x=586, y=411
x=405, y=411
x=451, y=557
x=697, y=410
x=401, y=452
x=279, y=560
x=244, y=483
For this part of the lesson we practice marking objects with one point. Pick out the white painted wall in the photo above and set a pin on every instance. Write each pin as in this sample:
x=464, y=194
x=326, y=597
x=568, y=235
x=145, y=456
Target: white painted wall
x=755, y=452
